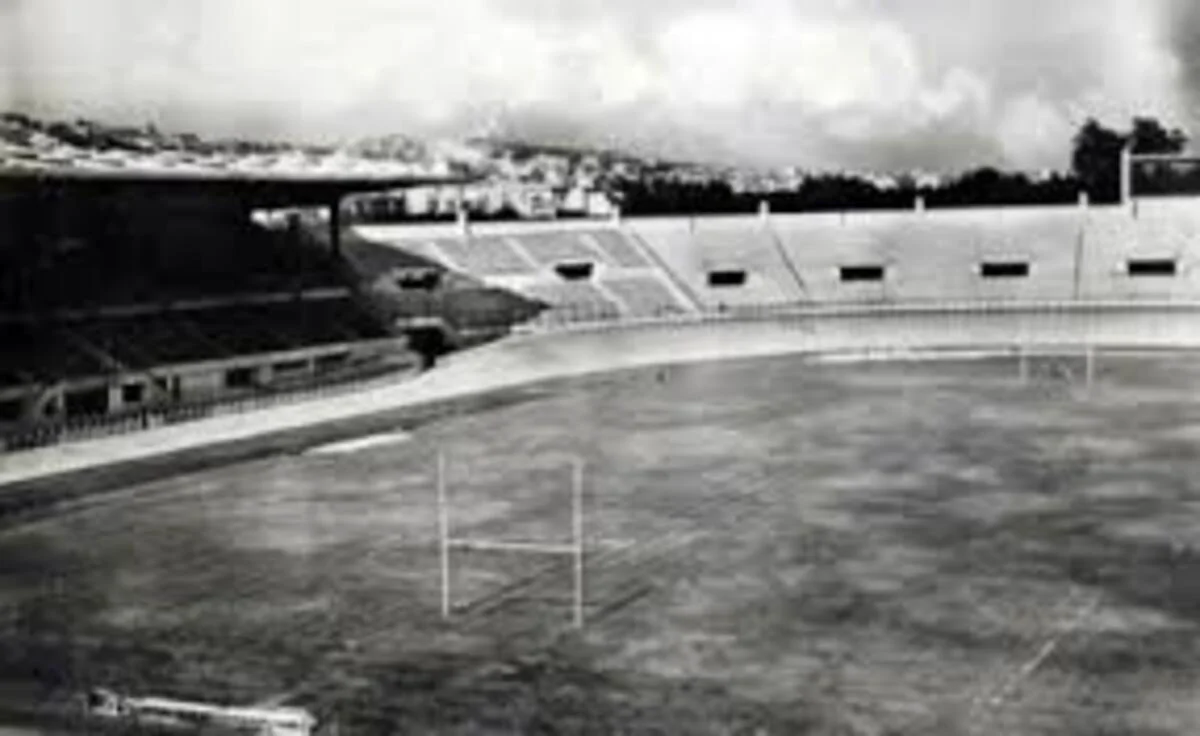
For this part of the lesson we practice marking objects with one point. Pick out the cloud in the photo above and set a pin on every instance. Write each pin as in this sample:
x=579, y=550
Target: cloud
x=939, y=84
x=1184, y=39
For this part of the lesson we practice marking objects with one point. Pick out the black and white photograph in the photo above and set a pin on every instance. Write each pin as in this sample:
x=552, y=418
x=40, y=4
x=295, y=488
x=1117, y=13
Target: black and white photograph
x=538, y=367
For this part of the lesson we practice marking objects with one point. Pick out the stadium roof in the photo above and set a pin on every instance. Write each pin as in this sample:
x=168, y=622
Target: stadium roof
x=258, y=188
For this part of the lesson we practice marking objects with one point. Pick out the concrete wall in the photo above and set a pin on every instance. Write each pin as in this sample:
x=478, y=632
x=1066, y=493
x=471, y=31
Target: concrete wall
x=1073, y=252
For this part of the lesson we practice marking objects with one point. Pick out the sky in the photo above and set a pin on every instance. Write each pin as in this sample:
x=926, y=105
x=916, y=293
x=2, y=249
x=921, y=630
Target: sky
x=886, y=85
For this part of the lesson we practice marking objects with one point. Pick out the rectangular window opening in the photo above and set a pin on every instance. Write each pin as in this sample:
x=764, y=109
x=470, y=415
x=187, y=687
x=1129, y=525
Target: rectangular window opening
x=290, y=366
x=581, y=271
x=133, y=393
x=726, y=279
x=1152, y=267
x=1004, y=269
x=332, y=362
x=239, y=377
x=862, y=273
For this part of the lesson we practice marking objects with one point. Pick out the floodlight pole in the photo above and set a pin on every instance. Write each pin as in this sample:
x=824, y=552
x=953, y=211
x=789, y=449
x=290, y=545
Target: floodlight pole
x=577, y=508
x=444, y=532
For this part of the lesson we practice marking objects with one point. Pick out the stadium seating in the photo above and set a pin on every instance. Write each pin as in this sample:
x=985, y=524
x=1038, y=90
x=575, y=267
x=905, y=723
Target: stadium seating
x=40, y=354
x=483, y=256
x=371, y=257
x=171, y=337
x=573, y=302
x=551, y=247
x=617, y=248
x=146, y=340
x=693, y=250
x=108, y=272
x=644, y=296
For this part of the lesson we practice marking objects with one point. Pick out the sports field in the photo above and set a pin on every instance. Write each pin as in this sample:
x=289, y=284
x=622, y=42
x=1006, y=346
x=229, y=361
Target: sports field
x=773, y=547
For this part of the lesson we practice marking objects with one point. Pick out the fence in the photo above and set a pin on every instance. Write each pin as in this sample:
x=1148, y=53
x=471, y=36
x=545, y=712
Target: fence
x=109, y=425
x=574, y=318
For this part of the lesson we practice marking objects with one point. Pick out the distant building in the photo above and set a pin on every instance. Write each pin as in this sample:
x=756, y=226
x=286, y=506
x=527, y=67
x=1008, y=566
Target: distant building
x=533, y=201
x=586, y=202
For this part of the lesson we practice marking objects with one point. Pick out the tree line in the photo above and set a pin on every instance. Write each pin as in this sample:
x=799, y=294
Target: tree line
x=1095, y=169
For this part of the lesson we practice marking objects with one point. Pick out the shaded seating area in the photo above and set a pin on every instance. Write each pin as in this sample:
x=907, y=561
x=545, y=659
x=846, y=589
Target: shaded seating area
x=109, y=270
x=35, y=354
x=46, y=352
x=370, y=258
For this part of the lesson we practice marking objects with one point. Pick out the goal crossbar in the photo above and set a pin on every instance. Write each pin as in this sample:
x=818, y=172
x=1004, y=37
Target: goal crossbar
x=486, y=545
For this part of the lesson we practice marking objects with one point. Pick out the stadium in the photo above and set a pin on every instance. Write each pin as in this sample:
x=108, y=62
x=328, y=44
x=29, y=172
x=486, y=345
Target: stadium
x=927, y=471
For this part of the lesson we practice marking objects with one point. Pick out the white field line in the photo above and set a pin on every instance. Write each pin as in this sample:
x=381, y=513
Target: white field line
x=359, y=444
x=1048, y=647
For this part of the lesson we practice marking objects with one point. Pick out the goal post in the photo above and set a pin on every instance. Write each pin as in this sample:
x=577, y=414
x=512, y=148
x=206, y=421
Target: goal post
x=443, y=532
x=575, y=549
x=1089, y=352
x=577, y=526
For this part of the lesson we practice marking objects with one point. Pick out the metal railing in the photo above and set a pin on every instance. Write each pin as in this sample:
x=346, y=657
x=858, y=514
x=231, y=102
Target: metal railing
x=575, y=318
x=89, y=427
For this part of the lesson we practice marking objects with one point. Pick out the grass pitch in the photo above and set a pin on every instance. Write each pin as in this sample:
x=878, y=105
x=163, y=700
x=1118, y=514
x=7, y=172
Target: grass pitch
x=774, y=547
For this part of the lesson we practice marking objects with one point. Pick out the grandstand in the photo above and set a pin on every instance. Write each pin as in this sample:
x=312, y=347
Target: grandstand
x=659, y=267
x=155, y=338
x=580, y=274
x=124, y=293
x=182, y=296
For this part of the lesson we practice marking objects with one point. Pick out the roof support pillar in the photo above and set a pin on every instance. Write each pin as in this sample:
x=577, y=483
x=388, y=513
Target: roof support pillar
x=335, y=227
